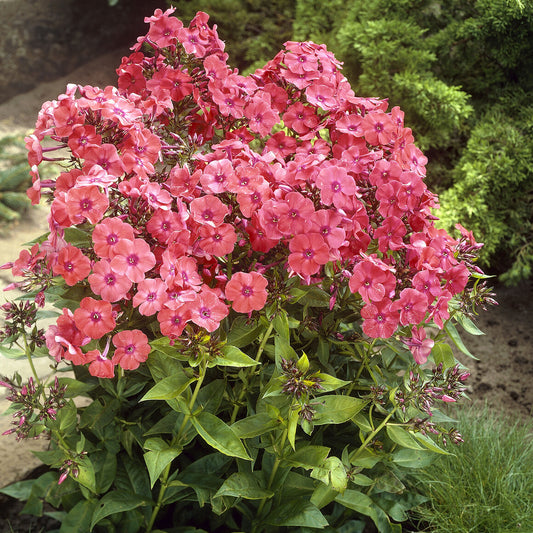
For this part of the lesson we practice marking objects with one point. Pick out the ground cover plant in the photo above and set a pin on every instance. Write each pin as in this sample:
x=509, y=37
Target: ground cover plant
x=252, y=295
x=487, y=486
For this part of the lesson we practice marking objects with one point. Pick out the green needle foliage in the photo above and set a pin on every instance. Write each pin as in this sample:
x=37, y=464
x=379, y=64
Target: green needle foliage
x=487, y=486
x=14, y=178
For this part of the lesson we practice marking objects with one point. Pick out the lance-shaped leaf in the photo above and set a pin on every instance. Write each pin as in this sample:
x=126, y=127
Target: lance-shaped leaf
x=232, y=356
x=219, y=435
x=245, y=485
x=169, y=387
x=116, y=502
x=336, y=409
x=158, y=456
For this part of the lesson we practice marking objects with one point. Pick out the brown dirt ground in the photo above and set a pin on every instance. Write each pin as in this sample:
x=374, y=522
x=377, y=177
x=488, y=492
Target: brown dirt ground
x=502, y=375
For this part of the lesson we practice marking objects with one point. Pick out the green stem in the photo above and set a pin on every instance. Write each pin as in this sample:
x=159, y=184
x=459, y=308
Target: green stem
x=244, y=389
x=30, y=360
x=275, y=467
x=370, y=437
x=175, y=440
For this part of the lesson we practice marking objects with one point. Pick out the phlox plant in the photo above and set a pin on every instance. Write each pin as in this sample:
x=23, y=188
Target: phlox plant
x=254, y=300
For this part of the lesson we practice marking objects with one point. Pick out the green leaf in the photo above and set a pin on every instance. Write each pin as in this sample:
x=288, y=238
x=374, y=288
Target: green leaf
x=77, y=237
x=157, y=460
x=361, y=503
x=292, y=425
x=116, y=502
x=242, y=333
x=281, y=325
x=429, y=444
x=20, y=490
x=412, y=458
x=308, y=456
x=332, y=473
x=442, y=353
x=86, y=475
x=232, y=356
x=456, y=338
x=253, y=426
x=468, y=325
x=11, y=353
x=245, y=485
x=75, y=388
x=78, y=519
x=402, y=437
x=169, y=387
x=297, y=513
x=283, y=350
x=329, y=383
x=219, y=435
x=336, y=409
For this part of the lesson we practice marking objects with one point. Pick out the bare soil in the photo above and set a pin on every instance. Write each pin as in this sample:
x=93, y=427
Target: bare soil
x=502, y=375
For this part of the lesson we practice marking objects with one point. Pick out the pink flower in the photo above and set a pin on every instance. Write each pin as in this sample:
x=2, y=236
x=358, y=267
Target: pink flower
x=72, y=265
x=86, y=202
x=247, y=291
x=133, y=259
x=372, y=281
x=207, y=310
x=412, y=305
x=108, y=234
x=150, y=295
x=110, y=285
x=308, y=253
x=419, y=345
x=94, y=318
x=132, y=349
x=379, y=320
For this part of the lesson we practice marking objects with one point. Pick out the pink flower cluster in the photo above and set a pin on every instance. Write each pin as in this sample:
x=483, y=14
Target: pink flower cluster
x=194, y=182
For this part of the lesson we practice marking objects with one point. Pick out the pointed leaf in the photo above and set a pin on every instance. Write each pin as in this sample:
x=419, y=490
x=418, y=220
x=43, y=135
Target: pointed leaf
x=403, y=437
x=169, y=387
x=253, y=426
x=219, y=435
x=241, y=333
x=116, y=502
x=297, y=513
x=244, y=485
x=232, y=356
x=336, y=409
x=456, y=338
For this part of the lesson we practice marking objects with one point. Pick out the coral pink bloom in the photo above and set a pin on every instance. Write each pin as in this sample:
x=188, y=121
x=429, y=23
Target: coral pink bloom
x=101, y=366
x=390, y=234
x=86, y=202
x=172, y=322
x=150, y=295
x=371, y=281
x=110, y=285
x=412, y=305
x=325, y=222
x=217, y=241
x=247, y=291
x=209, y=210
x=163, y=223
x=419, y=345
x=261, y=116
x=108, y=234
x=81, y=138
x=64, y=339
x=163, y=28
x=72, y=265
x=94, y=317
x=300, y=118
x=379, y=320
x=336, y=187
x=107, y=157
x=378, y=128
x=133, y=259
x=296, y=219
x=207, y=310
x=216, y=176
x=132, y=349
x=308, y=252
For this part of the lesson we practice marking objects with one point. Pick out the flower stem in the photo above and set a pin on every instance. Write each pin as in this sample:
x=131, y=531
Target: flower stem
x=370, y=437
x=242, y=394
x=175, y=440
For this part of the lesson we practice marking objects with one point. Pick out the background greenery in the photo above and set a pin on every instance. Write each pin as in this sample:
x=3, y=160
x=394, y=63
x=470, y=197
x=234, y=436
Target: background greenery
x=461, y=70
